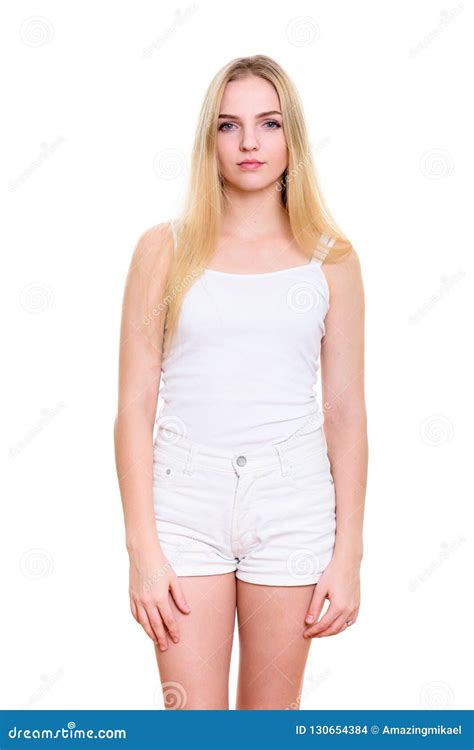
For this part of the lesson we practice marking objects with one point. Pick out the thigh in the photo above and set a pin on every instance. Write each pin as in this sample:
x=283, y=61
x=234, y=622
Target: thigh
x=273, y=652
x=195, y=672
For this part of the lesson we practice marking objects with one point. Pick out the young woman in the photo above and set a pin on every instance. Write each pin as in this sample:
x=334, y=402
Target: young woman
x=231, y=509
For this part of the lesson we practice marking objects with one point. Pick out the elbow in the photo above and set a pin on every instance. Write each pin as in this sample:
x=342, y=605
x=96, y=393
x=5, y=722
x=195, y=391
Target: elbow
x=354, y=415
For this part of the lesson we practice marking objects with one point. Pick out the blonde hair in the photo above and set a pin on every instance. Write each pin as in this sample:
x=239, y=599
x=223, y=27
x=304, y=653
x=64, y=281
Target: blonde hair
x=196, y=230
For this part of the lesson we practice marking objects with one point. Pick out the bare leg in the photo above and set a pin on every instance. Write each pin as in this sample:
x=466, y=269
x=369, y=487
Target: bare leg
x=195, y=672
x=273, y=652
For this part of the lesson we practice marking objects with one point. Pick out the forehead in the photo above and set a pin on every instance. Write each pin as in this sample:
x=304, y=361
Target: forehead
x=249, y=96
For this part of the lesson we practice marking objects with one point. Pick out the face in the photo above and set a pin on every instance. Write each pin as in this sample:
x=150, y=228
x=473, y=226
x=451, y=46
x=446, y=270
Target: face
x=250, y=127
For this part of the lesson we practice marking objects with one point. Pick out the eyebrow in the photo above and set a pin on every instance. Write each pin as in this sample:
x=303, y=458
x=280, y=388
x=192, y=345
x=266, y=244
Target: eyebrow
x=262, y=114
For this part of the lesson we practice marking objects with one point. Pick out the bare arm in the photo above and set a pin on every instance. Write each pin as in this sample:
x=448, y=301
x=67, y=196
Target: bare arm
x=342, y=369
x=141, y=339
x=345, y=426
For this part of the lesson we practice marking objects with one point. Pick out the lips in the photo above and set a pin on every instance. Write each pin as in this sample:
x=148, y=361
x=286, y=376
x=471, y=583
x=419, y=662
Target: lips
x=250, y=161
x=250, y=166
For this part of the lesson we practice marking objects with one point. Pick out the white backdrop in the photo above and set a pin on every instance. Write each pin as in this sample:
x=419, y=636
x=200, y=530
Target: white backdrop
x=100, y=106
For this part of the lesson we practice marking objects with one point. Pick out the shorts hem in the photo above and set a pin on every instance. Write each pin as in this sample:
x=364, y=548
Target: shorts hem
x=262, y=581
x=185, y=572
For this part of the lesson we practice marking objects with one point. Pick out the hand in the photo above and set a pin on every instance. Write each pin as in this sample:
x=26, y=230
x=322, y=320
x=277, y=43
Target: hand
x=151, y=577
x=340, y=583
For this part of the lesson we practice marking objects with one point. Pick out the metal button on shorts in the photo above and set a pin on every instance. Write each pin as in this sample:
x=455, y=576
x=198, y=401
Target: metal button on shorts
x=241, y=460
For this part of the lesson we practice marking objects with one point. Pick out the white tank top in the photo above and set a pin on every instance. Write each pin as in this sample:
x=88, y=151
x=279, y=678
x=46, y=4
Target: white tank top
x=244, y=365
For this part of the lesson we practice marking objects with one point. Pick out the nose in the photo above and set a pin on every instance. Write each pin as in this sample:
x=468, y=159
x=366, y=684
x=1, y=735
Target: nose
x=249, y=139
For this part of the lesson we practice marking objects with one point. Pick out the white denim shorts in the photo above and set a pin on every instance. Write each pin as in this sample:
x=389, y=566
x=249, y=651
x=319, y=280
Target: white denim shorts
x=269, y=514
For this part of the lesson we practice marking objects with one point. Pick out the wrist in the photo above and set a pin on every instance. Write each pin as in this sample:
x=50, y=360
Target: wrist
x=350, y=555
x=142, y=544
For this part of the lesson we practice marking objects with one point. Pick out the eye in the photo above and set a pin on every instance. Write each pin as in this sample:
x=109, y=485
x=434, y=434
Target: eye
x=274, y=123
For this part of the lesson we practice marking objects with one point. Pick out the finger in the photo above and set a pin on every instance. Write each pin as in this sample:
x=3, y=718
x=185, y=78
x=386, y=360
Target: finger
x=133, y=609
x=178, y=596
x=157, y=626
x=170, y=622
x=338, y=626
x=316, y=605
x=325, y=622
x=145, y=623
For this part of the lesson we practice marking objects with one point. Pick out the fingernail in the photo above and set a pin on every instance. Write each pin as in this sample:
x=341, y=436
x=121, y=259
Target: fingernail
x=310, y=618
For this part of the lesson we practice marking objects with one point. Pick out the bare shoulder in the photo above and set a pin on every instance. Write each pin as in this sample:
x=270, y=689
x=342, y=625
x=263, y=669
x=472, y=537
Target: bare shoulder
x=344, y=275
x=154, y=247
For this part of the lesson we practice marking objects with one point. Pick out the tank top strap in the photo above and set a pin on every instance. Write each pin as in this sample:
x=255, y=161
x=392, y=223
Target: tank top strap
x=327, y=240
x=174, y=231
x=326, y=243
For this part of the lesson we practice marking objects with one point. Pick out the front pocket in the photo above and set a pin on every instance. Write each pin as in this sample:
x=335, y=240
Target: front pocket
x=312, y=475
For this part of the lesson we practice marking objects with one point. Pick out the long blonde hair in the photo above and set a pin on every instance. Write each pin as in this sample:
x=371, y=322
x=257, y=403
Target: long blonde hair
x=197, y=228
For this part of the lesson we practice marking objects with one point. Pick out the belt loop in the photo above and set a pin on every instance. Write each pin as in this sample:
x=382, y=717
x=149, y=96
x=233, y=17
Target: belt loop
x=189, y=467
x=285, y=466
